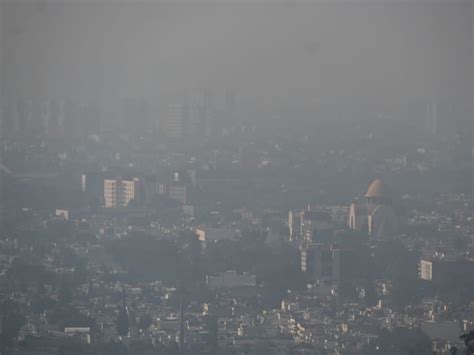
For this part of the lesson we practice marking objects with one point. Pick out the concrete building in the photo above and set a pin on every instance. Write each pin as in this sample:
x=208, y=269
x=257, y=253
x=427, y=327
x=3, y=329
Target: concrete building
x=313, y=222
x=62, y=213
x=118, y=193
x=306, y=223
x=442, y=270
x=294, y=225
x=177, y=193
x=198, y=111
x=426, y=270
x=92, y=184
x=318, y=262
x=174, y=191
x=324, y=262
x=212, y=235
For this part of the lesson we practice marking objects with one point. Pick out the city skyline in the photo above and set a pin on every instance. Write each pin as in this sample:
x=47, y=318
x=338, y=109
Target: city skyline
x=262, y=177
x=291, y=53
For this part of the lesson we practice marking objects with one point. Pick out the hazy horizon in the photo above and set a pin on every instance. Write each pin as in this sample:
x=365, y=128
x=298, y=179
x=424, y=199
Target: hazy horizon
x=295, y=53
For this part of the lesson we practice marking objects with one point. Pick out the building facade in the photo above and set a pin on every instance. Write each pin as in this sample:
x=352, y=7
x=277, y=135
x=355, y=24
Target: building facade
x=118, y=193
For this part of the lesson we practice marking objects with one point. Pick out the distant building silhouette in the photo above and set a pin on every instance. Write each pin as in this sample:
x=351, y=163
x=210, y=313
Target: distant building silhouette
x=174, y=123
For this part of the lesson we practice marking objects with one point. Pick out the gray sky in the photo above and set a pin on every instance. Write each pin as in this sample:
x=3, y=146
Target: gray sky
x=301, y=51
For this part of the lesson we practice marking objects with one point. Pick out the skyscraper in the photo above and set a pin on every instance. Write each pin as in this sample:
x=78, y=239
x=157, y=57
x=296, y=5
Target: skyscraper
x=198, y=106
x=294, y=225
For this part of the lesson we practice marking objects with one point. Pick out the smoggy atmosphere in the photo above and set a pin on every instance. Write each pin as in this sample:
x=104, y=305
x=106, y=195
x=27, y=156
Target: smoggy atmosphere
x=295, y=52
x=229, y=177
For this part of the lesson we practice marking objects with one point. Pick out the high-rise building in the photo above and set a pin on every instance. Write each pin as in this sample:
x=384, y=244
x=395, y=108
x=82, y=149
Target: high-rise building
x=313, y=222
x=317, y=262
x=294, y=225
x=118, y=193
x=175, y=121
x=92, y=184
x=305, y=223
x=51, y=118
x=323, y=262
x=174, y=191
x=177, y=193
x=199, y=112
x=110, y=193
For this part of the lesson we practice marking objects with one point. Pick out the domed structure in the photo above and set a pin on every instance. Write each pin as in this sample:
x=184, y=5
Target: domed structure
x=377, y=189
x=378, y=193
x=376, y=215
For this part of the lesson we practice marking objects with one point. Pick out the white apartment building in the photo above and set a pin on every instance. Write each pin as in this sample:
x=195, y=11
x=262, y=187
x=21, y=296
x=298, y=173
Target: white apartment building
x=118, y=193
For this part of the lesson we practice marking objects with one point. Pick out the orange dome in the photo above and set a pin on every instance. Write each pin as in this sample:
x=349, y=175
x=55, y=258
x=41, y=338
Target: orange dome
x=377, y=189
